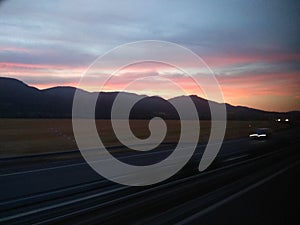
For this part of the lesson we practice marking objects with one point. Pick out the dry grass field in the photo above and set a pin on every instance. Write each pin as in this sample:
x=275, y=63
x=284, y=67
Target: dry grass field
x=30, y=136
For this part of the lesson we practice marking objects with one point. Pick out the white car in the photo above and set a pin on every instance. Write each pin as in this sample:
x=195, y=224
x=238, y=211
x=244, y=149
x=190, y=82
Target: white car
x=261, y=133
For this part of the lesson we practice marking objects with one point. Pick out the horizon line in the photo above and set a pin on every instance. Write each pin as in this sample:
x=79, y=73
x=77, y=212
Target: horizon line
x=68, y=86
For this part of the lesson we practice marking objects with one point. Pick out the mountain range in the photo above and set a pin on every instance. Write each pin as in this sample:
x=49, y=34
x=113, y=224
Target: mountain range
x=18, y=100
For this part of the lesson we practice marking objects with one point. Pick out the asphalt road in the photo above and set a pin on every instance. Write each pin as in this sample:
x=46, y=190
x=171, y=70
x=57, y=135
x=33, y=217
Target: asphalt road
x=46, y=176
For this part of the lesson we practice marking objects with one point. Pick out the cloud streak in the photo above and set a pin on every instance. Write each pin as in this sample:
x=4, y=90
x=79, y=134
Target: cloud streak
x=252, y=46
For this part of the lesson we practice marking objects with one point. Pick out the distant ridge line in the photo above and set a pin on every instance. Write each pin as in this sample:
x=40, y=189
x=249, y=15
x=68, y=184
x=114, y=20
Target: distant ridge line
x=18, y=100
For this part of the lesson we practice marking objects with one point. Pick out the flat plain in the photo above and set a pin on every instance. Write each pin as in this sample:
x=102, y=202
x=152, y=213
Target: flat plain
x=35, y=136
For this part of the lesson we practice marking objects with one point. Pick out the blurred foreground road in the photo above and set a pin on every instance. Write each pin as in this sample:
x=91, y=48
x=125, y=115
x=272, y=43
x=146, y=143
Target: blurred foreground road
x=36, y=189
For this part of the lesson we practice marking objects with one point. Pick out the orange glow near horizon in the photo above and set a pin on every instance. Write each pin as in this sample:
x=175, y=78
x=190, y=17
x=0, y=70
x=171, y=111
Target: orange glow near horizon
x=275, y=92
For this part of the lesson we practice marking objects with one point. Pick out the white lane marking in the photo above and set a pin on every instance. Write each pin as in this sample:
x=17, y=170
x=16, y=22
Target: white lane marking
x=236, y=195
x=41, y=170
x=60, y=204
x=84, y=163
x=75, y=164
x=233, y=158
x=51, y=192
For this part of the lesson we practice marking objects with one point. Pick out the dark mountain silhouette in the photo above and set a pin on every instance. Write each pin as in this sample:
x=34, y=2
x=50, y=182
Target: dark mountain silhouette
x=18, y=100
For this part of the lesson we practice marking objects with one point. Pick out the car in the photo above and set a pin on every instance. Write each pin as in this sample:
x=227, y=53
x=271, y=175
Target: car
x=261, y=133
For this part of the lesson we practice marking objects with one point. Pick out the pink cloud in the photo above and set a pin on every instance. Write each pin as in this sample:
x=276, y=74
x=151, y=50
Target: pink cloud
x=279, y=91
x=15, y=49
x=223, y=60
x=12, y=66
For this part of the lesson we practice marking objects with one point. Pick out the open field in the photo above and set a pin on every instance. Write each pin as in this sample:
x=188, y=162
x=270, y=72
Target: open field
x=30, y=136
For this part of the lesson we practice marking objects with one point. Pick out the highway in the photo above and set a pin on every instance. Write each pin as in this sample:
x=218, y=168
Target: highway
x=63, y=188
x=53, y=175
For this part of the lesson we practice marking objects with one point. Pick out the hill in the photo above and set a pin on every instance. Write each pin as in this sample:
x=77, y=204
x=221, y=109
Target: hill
x=18, y=100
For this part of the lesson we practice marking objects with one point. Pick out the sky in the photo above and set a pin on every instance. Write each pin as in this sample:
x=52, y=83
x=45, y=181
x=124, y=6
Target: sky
x=252, y=47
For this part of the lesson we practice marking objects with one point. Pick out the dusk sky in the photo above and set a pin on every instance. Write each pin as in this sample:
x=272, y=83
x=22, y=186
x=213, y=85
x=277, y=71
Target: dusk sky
x=253, y=47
